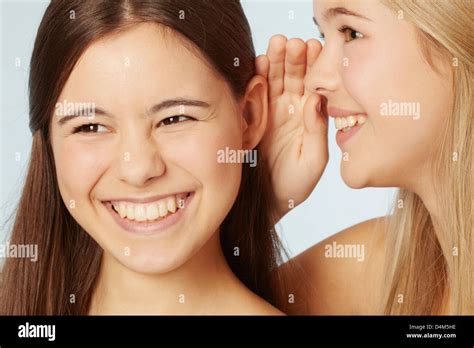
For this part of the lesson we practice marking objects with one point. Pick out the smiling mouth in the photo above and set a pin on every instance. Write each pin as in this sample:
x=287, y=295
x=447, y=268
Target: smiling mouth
x=149, y=212
x=345, y=124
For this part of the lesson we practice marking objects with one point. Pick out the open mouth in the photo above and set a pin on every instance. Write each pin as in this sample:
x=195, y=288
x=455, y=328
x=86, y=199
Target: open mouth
x=345, y=124
x=150, y=212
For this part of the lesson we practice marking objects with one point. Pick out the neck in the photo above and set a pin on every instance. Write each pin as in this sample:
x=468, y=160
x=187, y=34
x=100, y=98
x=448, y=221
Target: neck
x=198, y=286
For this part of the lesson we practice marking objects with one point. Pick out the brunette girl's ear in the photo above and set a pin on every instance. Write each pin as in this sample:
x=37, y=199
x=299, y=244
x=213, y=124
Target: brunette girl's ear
x=255, y=111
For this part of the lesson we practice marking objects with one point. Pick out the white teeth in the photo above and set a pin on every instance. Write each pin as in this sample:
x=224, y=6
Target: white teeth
x=163, y=208
x=140, y=213
x=122, y=210
x=361, y=119
x=150, y=211
x=351, y=120
x=129, y=212
x=343, y=122
x=346, y=123
x=171, y=204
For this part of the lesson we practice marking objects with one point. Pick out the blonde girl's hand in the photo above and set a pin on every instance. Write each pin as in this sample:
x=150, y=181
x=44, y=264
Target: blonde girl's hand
x=295, y=142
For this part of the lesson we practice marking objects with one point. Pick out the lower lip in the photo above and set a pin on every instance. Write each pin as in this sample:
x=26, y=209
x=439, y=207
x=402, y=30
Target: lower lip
x=148, y=227
x=342, y=137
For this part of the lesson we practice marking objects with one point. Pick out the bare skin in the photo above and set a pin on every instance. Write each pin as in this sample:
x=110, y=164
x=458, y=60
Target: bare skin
x=339, y=285
x=182, y=269
x=306, y=75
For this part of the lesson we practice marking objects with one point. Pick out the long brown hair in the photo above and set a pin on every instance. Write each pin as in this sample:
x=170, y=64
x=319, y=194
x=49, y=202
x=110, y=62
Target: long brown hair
x=63, y=279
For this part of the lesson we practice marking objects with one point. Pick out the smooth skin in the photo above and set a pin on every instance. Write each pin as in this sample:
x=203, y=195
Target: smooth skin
x=385, y=62
x=296, y=137
x=181, y=270
x=301, y=156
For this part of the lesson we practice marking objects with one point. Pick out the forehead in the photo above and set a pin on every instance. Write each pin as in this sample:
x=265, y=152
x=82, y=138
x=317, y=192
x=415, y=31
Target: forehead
x=144, y=60
x=366, y=7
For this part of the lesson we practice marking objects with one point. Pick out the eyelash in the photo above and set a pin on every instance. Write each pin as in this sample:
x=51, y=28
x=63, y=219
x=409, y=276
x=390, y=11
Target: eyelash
x=82, y=128
x=86, y=128
x=344, y=29
x=188, y=118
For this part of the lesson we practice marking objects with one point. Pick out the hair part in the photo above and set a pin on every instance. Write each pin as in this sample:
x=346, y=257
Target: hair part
x=64, y=278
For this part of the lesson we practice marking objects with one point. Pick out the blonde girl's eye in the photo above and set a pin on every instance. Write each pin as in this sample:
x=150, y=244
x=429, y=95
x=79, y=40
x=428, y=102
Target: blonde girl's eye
x=350, y=34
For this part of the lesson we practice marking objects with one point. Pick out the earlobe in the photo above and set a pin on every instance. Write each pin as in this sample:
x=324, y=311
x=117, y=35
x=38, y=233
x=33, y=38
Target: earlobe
x=255, y=111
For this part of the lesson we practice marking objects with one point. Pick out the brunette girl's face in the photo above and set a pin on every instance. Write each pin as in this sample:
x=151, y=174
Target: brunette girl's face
x=372, y=68
x=142, y=175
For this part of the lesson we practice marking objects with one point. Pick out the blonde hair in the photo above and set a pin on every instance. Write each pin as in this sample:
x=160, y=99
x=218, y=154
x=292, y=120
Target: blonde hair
x=431, y=271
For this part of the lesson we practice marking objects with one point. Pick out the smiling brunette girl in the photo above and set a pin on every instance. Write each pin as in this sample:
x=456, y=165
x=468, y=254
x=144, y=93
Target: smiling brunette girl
x=130, y=209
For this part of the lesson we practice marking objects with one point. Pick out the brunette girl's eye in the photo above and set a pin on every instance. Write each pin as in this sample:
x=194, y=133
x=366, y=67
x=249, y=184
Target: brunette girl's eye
x=90, y=128
x=174, y=120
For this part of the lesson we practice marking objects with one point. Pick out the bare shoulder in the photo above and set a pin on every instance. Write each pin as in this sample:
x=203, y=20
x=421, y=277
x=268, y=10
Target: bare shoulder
x=237, y=299
x=341, y=274
x=259, y=306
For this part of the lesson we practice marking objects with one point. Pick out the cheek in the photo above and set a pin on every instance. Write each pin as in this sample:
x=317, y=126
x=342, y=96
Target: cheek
x=197, y=153
x=78, y=169
x=390, y=78
x=218, y=184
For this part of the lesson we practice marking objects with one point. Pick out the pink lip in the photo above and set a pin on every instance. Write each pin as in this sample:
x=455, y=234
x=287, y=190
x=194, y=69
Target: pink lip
x=336, y=112
x=342, y=137
x=146, y=199
x=147, y=228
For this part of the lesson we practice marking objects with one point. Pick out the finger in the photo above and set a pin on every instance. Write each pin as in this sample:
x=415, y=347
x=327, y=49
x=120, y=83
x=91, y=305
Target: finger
x=261, y=65
x=313, y=49
x=276, y=58
x=295, y=66
x=315, y=136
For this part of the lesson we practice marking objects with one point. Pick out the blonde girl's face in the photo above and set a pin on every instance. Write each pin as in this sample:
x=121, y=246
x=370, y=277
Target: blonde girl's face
x=141, y=176
x=372, y=67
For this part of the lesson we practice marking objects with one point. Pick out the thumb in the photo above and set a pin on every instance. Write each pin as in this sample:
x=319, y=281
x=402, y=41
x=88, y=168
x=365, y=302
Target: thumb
x=314, y=120
x=315, y=135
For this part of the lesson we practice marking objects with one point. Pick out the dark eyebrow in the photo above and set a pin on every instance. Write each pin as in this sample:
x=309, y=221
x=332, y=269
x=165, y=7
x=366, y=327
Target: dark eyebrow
x=177, y=102
x=335, y=11
x=79, y=112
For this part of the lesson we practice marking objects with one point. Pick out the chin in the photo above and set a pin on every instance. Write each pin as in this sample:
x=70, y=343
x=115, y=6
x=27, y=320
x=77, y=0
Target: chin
x=353, y=178
x=146, y=263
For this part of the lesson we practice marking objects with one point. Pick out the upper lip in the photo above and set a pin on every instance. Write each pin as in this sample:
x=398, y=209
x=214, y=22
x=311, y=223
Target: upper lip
x=337, y=112
x=146, y=199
